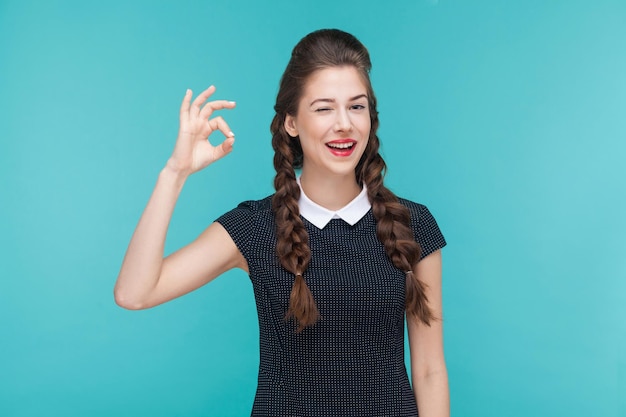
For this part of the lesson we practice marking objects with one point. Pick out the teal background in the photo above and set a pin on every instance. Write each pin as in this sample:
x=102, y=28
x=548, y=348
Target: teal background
x=505, y=117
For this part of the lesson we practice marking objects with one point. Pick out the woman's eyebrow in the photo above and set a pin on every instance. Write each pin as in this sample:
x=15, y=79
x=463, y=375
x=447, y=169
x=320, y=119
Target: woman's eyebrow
x=332, y=100
x=358, y=97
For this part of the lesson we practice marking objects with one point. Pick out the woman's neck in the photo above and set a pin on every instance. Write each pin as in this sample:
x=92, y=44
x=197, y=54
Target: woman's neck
x=330, y=192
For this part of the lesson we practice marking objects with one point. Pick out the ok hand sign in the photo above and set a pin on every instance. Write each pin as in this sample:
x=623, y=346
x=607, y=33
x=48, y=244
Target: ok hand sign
x=193, y=150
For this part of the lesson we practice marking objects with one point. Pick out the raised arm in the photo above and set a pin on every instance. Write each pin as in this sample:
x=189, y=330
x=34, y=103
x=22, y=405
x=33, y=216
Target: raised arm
x=145, y=278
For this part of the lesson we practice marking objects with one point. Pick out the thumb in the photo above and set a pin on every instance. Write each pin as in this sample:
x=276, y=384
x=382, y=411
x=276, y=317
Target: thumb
x=225, y=147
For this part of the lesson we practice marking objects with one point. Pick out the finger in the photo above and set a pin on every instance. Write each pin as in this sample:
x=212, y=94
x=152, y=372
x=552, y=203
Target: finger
x=218, y=123
x=211, y=106
x=184, y=106
x=224, y=148
x=202, y=97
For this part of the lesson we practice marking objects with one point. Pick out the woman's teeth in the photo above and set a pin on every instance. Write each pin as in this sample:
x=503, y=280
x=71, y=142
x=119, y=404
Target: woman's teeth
x=340, y=145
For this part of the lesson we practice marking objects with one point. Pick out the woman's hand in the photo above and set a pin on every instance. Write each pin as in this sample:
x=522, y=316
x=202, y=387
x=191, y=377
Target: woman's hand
x=193, y=151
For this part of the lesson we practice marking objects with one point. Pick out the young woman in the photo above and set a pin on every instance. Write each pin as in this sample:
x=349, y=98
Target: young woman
x=335, y=258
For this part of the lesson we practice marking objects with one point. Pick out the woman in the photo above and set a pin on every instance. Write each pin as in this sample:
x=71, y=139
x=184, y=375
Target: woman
x=335, y=258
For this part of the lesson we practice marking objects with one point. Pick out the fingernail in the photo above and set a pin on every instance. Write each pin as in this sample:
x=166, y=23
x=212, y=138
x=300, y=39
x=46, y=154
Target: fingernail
x=188, y=91
x=231, y=134
x=232, y=102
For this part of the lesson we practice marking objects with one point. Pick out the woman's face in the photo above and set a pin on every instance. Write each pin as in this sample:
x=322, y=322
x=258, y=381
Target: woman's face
x=332, y=121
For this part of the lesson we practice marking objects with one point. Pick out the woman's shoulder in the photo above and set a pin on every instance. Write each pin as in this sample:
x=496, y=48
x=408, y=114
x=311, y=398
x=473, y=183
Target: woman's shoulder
x=415, y=208
x=262, y=205
x=246, y=217
x=425, y=227
x=421, y=216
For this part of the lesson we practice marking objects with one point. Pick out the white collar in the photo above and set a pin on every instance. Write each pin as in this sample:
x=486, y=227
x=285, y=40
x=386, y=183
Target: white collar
x=321, y=216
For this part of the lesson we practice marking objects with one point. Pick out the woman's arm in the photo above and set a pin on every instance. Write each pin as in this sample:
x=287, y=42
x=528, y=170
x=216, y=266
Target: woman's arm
x=428, y=366
x=145, y=278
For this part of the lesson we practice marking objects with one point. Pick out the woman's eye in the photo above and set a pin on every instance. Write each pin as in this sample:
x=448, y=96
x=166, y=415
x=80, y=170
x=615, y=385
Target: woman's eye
x=358, y=107
x=323, y=109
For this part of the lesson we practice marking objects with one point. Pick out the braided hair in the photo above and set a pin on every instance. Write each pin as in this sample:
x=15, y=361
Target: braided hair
x=318, y=50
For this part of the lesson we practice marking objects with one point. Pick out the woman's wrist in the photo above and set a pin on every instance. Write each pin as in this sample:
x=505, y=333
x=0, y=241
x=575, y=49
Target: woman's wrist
x=172, y=173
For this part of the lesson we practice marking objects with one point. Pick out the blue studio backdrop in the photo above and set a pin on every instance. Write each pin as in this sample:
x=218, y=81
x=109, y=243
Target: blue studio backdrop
x=506, y=118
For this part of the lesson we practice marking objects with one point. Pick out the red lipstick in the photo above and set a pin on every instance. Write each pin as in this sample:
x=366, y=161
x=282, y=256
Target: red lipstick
x=341, y=147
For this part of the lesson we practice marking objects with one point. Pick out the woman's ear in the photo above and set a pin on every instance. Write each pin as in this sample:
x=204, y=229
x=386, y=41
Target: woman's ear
x=290, y=125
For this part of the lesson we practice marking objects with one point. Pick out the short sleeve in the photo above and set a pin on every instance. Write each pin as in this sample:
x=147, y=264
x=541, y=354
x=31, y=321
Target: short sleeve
x=426, y=230
x=240, y=225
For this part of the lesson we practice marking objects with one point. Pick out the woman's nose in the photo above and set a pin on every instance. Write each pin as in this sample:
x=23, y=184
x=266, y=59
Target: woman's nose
x=343, y=122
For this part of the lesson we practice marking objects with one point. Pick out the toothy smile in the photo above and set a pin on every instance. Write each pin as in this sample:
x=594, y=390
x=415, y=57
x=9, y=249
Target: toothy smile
x=340, y=145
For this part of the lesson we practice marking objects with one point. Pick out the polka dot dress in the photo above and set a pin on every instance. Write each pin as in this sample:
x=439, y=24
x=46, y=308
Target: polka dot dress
x=351, y=363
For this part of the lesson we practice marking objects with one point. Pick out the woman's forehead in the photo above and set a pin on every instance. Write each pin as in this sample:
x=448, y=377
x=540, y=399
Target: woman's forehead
x=335, y=83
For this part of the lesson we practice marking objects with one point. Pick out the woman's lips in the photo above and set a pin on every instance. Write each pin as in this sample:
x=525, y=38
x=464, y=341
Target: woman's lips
x=341, y=147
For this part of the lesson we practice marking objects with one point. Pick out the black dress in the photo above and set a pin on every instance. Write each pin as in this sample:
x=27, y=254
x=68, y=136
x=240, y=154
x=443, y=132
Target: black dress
x=351, y=363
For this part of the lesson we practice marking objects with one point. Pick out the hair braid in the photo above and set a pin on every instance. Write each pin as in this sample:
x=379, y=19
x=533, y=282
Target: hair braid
x=393, y=229
x=292, y=245
x=325, y=49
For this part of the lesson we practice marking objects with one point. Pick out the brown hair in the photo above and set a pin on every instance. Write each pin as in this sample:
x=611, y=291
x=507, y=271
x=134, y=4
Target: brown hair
x=318, y=50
